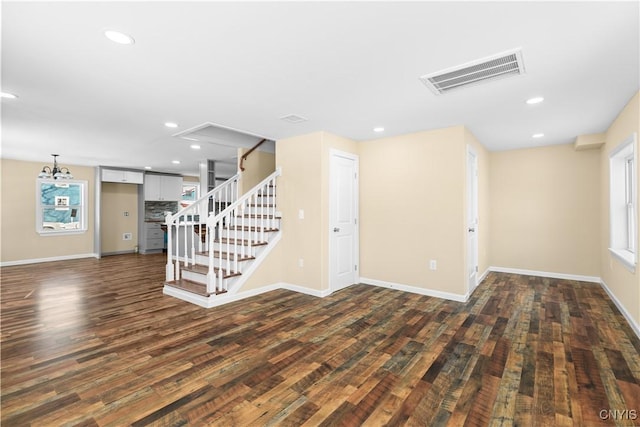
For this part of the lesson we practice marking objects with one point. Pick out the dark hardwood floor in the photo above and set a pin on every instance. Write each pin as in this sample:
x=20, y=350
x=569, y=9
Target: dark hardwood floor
x=94, y=342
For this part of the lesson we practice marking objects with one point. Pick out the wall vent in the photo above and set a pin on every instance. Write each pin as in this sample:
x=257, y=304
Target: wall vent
x=506, y=64
x=293, y=118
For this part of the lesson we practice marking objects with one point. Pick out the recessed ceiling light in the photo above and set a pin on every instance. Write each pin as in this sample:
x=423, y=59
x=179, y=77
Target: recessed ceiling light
x=171, y=125
x=535, y=100
x=175, y=162
x=147, y=167
x=118, y=37
x=195, y=146
x=8, y=95
x=537, y=135
x=378, y=129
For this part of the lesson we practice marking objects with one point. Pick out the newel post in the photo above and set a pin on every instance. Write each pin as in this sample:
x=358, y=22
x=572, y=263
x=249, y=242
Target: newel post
x=169, y=270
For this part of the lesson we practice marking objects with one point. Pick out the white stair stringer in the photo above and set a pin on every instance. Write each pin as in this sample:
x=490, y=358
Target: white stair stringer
x=235, y=283
x=209, y=261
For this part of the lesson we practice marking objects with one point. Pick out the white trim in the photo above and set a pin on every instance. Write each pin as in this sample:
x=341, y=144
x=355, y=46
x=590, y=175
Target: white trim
x=626, y=258
x=189, y=297
x=592, y=279
x=483, y=276
x=623, y=310
x=128, y=251
x=415, y=290
x=51, y=259
x=304, y=290
x=218, y=300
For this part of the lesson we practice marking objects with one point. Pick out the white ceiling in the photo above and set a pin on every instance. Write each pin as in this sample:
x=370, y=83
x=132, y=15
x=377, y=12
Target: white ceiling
x=345, y=66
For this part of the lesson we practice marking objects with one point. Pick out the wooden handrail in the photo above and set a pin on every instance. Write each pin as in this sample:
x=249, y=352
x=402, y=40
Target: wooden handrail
x=245, y=155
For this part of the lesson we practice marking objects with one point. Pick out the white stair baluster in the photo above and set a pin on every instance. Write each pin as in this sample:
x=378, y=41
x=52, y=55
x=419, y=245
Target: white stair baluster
x=262, y=223
x=228, y=221
x=169, y=269
x=211, y=278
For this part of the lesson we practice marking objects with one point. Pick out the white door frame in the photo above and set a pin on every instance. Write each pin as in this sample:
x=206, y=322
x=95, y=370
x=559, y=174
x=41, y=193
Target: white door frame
x=356, y=248
x=471, y=217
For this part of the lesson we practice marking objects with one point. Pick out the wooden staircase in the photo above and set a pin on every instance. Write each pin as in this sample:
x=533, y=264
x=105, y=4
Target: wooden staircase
x=210, y=260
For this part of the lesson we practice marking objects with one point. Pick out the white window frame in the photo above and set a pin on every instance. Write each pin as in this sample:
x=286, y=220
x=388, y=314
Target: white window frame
x=81, y=214
x=623, y=202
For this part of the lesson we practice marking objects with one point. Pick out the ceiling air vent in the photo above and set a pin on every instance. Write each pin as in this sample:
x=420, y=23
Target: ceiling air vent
x=292, y=118
x=494, y=67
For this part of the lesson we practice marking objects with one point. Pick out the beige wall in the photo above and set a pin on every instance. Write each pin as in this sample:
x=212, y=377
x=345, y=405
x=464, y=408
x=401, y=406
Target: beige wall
x=116, y=199
x=545, y=210
x=257, y=167
x=19, y=239
x=412, y=200
x=624, y=284
x=304, y=184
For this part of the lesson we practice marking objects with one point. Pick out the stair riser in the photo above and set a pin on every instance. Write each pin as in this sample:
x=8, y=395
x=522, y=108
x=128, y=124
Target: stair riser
x=267, y=210
x=251, y=222
x=201, y=259
x=237, y=249
x=196, y=277
x=253, y=235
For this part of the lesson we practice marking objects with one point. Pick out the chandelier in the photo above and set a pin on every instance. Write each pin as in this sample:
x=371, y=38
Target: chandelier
x=56, y=172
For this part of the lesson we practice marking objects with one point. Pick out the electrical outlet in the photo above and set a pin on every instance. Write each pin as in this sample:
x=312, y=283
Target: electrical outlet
x=433, y=265
x=301, y=263
x=125, y=213
x=301, y=214
x=127, y=236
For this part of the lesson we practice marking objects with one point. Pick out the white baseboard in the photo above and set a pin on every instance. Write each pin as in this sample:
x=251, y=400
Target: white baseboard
x=50, y=259
x=623, y=310
x=415, y=290
x=190, y=297
x=304, y=290
x=218, y=300
x=483, y=276
x=592, y=279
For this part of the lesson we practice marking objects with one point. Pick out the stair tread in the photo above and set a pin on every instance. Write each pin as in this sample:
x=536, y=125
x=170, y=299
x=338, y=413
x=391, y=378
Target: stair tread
x=238, y=241
x=193, y=287
x=203, y=269
x=250, y=228
x=224, y=255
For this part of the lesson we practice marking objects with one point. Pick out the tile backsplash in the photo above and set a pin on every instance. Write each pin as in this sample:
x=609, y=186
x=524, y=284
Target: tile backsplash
x=155, y=211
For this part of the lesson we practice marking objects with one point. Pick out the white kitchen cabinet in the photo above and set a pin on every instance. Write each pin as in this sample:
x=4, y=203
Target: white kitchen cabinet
x=153, y=236
x=162, y=187
x=126, y=177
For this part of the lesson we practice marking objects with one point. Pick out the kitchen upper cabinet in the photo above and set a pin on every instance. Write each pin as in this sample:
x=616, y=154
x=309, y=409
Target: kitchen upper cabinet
x=126, y=177
x=162, y=187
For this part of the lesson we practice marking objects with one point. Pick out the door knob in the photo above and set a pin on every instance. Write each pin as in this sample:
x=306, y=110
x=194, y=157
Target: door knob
x=472, y=230
x=336, y=229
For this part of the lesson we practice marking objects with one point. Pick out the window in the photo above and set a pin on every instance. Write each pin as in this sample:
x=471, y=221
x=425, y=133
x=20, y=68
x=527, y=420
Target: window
x=61, y=206
x=623, y=202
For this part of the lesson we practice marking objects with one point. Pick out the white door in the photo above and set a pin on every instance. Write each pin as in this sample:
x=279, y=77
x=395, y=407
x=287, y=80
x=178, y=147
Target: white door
x=343, y=220
x=472, y=219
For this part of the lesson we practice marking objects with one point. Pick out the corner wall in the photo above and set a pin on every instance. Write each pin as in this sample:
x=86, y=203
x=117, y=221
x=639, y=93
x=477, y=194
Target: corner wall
x=303, y=185
x=623, y=284
x=412, y=210
x=545, y=210
x=118, y=198
x=257, y=167
x=19, y=239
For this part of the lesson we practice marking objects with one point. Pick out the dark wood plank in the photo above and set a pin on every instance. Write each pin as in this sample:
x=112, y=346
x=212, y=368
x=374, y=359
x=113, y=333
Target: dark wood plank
x=99, y=344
